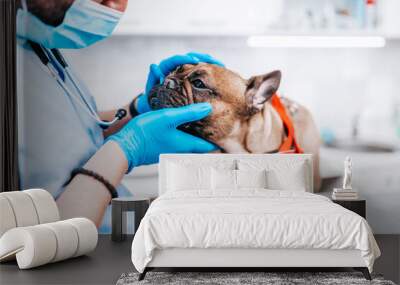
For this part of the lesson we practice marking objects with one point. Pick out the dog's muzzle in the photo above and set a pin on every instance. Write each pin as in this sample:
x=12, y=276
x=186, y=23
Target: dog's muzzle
x=170, y=95
x=161, y=97
x=167, y=95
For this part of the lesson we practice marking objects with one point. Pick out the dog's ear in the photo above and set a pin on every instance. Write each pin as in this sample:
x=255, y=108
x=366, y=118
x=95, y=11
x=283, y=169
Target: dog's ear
x=261, y=88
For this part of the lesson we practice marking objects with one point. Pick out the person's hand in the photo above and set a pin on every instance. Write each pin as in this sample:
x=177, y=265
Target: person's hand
x=158, y=72
x=148, y=135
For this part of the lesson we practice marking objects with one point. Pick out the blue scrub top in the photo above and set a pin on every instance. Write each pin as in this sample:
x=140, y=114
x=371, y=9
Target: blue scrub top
x=55, y=135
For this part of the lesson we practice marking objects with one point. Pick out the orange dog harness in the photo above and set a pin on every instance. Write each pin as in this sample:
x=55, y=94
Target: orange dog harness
x=289, y=144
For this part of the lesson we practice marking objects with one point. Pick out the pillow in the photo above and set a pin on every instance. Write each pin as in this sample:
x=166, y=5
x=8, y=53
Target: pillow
x=251, y=178
x=283, y=172
x=182, y=177
x=223, y=179
x=293, y=178
x=226, y=179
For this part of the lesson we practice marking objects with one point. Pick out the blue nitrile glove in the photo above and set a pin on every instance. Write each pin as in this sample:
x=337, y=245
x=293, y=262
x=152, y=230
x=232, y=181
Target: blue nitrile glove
x=158, y=73
x=148, y=135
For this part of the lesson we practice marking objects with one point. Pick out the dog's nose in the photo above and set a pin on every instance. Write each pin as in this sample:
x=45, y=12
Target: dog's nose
x=171, y=83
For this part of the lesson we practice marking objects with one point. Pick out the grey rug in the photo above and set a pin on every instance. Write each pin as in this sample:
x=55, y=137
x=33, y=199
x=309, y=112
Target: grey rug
x=268, y=278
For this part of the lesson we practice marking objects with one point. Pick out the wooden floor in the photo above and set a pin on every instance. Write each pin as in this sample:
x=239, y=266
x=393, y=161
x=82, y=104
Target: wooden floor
x=110, y=260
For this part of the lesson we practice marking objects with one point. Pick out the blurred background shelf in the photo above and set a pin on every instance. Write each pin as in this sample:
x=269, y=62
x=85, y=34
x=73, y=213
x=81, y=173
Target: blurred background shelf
x=259, y=17
x=132, y=30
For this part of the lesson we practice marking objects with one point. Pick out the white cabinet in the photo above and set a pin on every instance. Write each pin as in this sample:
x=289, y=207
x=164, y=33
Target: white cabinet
x=390, y=18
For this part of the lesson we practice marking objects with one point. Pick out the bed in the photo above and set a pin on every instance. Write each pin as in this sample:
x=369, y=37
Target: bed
x=247, y=211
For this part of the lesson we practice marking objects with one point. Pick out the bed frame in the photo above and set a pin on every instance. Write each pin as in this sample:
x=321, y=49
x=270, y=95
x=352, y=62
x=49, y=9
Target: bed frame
x=234, y=259
x=245, y=259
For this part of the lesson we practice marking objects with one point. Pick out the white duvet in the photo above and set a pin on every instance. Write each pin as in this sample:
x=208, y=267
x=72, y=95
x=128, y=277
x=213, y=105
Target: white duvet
x=252, y=218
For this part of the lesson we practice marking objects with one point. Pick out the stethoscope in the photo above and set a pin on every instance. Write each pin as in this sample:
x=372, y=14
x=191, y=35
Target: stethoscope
x=48, y=58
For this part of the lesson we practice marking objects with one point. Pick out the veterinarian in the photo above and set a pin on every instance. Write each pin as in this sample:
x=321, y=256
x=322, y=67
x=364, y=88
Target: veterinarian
x=65, y=145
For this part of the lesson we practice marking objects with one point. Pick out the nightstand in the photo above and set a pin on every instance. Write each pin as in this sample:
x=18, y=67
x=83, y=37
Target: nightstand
x=357, y=206
x=137, y=204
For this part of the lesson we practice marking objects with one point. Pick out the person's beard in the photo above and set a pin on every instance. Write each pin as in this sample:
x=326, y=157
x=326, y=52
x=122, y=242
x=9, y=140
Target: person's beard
x=51, y=12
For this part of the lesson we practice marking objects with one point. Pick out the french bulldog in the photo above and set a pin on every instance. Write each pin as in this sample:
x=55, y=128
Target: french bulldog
x=243, y=119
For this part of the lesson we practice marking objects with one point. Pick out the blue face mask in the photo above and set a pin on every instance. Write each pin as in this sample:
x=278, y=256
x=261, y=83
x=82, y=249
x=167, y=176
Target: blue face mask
x=86, y=22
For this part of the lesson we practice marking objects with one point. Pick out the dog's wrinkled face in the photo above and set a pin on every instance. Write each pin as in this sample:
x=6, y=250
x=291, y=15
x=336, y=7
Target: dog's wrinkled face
x=232, y=97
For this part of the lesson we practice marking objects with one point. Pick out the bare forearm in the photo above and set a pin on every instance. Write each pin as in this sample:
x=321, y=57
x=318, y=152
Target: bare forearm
x=86, y=197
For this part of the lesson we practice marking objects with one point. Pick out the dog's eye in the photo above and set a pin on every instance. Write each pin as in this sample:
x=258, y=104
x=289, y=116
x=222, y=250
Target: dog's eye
x=198, y=84
x=180, y=69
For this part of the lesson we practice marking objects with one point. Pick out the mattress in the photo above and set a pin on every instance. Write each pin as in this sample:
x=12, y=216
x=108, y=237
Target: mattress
x=252, y=219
